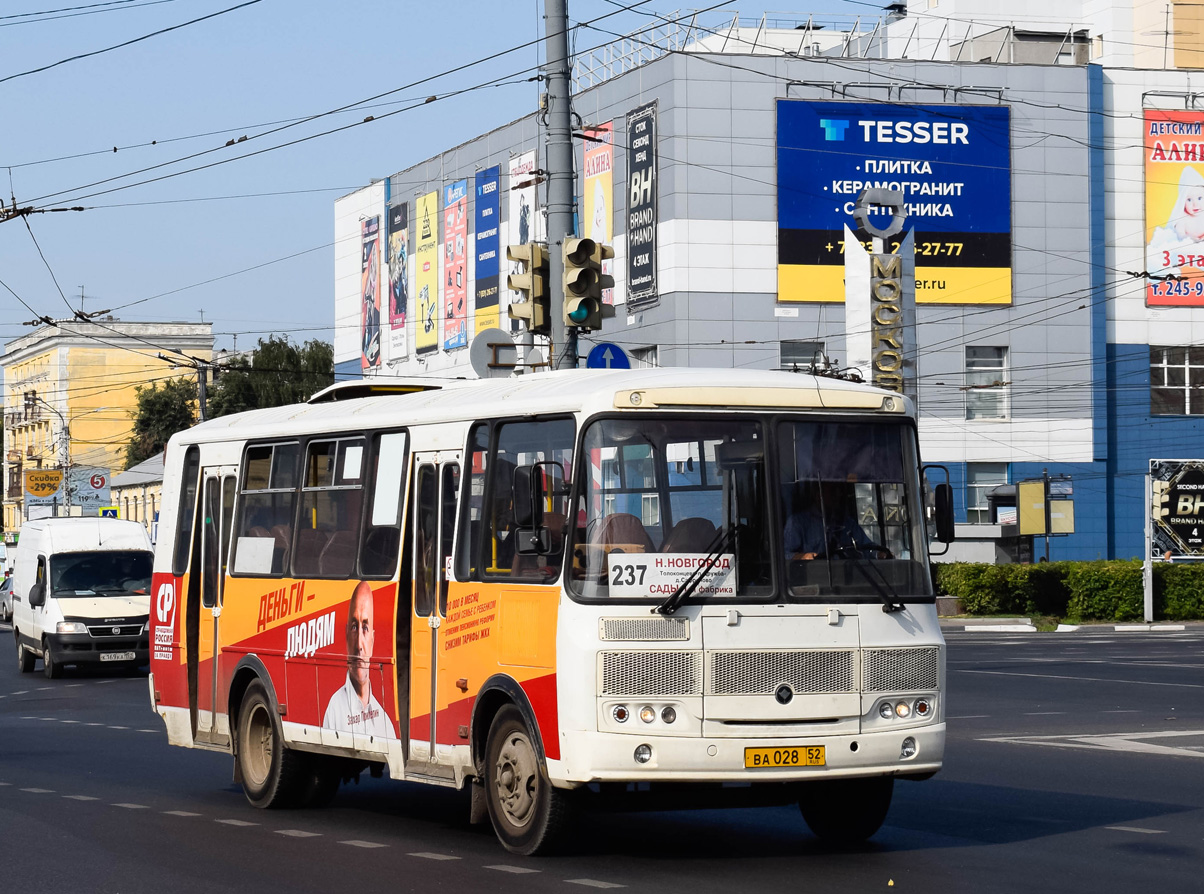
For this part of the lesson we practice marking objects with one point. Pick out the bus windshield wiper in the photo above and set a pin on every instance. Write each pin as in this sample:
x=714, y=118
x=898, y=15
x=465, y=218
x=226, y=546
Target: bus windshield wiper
x=890, y=599
x=687, y=587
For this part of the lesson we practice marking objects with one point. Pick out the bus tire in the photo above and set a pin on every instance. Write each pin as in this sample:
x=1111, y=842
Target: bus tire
x=846, y=811
x=528, y=814
x=53, y=668
x=25, y=658
x=272, y=775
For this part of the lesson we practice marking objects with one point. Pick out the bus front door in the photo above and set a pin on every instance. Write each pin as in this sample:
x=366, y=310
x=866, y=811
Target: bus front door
x=435, y=488
x=218, y=487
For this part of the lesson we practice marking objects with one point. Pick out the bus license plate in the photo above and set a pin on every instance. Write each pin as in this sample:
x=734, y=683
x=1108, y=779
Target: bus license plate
x=116, y=656
x=803, y=756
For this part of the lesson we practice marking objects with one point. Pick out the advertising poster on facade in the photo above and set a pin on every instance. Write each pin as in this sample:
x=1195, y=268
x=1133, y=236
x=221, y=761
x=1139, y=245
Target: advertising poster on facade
x=426, y=272
x=43, y=487
x=1174, y=207
x=953, y=166
x=89, y=488
x=370, y=293
x=1176, y=508
x=455, y=265
x=487, y=248
x=641, y=206
x=598, y=193
x=399, y=285
x=522, y=215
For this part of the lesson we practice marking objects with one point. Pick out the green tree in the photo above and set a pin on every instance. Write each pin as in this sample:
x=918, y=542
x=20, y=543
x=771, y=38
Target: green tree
x=278, y=373
x=160, y=414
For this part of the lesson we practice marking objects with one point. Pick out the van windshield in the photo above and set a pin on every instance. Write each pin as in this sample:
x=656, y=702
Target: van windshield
x=90, y=574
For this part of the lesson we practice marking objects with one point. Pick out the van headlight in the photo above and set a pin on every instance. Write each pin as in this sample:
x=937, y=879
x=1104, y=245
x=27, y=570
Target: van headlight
x=70, y=627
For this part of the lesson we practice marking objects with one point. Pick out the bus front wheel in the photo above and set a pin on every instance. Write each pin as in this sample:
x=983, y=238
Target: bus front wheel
x=846, y=811
x=527, y=813
x=272, y=775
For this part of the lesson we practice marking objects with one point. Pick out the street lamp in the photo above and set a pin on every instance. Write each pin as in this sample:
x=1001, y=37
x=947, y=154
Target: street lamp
x=32, y=397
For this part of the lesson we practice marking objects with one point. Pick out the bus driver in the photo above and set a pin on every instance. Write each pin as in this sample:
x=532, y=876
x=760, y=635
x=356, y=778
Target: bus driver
x=353, y=708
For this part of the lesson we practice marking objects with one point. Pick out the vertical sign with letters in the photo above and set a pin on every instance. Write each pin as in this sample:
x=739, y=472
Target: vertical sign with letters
x=641, y=206
x=487, y=245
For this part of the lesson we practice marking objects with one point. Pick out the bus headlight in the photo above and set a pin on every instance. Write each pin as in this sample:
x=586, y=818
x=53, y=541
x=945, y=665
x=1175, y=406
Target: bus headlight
x=908, y=749
x=903, y=710
x=886, y=710
x=647, y=713
x=643, y=754
x=668, y=714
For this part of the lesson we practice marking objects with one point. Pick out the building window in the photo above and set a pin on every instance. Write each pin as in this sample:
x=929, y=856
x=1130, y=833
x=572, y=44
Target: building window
x=986, y=383
x=1175, y=375
x=645, y=358
x=981, y=479
x=795, y=354
x=1097, y=46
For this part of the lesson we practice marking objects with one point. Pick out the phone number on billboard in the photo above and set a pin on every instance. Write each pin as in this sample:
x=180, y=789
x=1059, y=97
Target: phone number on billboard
x=1178, y=289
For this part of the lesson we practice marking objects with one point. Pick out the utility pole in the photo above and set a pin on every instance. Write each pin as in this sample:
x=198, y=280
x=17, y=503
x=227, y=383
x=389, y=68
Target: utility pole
x=559, y=165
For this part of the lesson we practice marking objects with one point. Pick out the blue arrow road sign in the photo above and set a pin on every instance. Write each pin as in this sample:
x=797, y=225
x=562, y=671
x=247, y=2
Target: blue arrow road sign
x=607, y=356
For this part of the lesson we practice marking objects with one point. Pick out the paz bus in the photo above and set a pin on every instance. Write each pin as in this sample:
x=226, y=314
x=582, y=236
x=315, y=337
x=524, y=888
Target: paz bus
x=557, y=584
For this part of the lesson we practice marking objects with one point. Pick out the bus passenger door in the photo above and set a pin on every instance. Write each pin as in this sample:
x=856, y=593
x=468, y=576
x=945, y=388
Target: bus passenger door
x=436, y=484
x=218, y=487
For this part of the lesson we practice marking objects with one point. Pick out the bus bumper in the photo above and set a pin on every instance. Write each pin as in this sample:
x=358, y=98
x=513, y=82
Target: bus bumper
x=610, y=757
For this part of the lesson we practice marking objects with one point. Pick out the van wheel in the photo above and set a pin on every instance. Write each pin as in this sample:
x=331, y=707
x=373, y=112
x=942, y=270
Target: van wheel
x=25, y=658
x=52, y=667
x=528, y=815
x=272, y=775
x=846, y=811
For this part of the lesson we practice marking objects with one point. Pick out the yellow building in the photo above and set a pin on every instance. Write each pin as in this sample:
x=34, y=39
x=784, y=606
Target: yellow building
x=69, y=398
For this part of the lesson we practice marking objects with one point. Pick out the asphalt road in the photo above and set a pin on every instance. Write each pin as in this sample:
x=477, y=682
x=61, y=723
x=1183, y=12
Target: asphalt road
x=1075, y=763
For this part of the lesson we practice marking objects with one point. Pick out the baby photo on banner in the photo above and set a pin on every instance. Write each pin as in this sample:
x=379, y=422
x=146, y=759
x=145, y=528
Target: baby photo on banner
x=1174, y=207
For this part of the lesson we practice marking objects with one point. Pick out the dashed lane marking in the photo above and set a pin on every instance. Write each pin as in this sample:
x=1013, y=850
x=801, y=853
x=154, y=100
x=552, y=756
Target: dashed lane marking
x=43, y=688
x=429, y=856
x=1137, y=829
x=94, y=723
x=235, y=822
x=355, y=842
x=80, y=798
x=1087, y=679
x=118, y=727
x=592, y=883
x=39, y=791
x=517, y=870
x=298, y=833
x=132, y=806
x=180, y=813
x=146, y=730
x=1043, y=713
x=68, y=721
x=971, y=717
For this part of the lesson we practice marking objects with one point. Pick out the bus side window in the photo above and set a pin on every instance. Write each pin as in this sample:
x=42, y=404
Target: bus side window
x=472, y=519
x=188, y=489
x=382, y=531
x=265, y=518
x=332, y=499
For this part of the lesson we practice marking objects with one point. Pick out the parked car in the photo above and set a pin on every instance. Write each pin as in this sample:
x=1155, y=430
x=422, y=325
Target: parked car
x=6, y=599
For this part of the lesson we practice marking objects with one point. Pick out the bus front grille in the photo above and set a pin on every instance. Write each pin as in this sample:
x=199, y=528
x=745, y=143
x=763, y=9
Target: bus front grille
x=900, y=670
x=659, y=629
x=651, y=673
x=761, y=673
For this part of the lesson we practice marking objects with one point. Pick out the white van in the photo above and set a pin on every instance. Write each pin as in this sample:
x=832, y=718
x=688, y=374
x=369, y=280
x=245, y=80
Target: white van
x=81, y=593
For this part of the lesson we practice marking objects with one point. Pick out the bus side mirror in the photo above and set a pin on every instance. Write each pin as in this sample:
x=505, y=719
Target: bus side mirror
x=37, y=595
x=943, y=515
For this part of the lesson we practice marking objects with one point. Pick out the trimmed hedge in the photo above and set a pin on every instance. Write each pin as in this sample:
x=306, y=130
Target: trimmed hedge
x=1077, y=591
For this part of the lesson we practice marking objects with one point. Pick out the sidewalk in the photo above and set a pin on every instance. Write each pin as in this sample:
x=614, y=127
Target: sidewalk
x=1025, y=625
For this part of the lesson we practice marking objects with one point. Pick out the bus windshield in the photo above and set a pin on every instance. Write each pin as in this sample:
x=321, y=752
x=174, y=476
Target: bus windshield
x=830, y=509
x=89, y=574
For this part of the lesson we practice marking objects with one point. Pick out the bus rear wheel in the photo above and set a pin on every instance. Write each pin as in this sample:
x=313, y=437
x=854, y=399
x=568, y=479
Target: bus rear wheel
x=272, y=775
x=846, y=811
x=527, y=813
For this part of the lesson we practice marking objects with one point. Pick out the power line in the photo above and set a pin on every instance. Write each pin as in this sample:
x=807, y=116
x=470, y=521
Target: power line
x=71, y=12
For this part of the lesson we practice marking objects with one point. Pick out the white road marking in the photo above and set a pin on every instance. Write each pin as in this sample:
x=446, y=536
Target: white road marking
x=517, y=870
x=94, y=724
x=68, y=721
x=132, y=806
x=1122, y=711
x=22, y=692
x=146, y=731
x=1130, y=742
x=298, y=833
x=429, y=856
x=118, y=727
x=235, y=822
x=39, y=791
x=357, y=843
x=43, y=688
x=1042, y=713
x=1136, y=829
x=592, y=883
x=80, y=798
x=1084, y=679
x=970, y=717
x=5, y=783
x=180, y=813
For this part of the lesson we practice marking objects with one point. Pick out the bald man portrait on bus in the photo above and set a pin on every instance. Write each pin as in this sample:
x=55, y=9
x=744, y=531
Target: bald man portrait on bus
x=353, y=708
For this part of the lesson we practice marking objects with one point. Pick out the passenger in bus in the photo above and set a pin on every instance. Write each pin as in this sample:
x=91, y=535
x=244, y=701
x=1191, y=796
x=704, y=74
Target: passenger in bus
x=353, y=708
x=824, y=524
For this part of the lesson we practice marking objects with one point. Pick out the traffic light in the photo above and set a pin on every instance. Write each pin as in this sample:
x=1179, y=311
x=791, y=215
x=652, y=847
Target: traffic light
x=532, y=282
x=584, y=282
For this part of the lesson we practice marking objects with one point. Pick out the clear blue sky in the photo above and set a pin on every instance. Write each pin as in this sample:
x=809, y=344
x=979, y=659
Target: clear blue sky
x=230, y=76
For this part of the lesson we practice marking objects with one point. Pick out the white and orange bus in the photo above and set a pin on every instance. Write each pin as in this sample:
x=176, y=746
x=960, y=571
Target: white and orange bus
x=549, y=583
